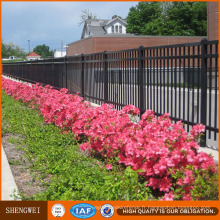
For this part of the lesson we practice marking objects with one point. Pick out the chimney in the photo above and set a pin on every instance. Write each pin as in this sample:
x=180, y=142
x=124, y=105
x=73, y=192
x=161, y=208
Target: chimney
x=115, y=16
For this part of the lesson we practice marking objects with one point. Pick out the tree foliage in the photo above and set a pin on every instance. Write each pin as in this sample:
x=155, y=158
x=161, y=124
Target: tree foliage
x=168, y=18
x=12, y=50
x=43, y=51
x=117, y=16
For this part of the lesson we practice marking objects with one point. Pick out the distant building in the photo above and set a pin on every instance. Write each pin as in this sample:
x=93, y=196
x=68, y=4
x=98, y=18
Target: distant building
x=33, y=56
x=11, y=58
x=59, y=54
x=100, y=35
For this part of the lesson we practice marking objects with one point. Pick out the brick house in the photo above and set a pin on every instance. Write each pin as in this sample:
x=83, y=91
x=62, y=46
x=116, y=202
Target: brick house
x=100, y=35
x=212, y=20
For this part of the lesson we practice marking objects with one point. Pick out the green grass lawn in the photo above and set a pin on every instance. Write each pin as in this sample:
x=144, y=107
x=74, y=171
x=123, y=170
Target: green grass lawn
x=73, y=174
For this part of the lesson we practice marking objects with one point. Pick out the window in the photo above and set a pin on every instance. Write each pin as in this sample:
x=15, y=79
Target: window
x=116, y=29
x=120, y=29
x=112, y=29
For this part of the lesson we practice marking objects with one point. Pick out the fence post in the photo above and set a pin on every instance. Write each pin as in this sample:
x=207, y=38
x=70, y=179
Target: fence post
x=53, y=73
x=61, y=75
x=66, y=72
x=36, y=72
x=203, y=89
x=141, y=78
x=44, y=72
x=31, y=71
x=22, y=70
x=27, y=75
x=82, y=75
x=105, y=57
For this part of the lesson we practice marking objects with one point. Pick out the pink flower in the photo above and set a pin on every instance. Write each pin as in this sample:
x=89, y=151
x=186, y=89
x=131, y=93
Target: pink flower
x=187, y=197
x=109, y=166
x=64, y=90
x=197, y=130
x=130, y=109
x=168, y=197
x=148, y=115
x=85, y=146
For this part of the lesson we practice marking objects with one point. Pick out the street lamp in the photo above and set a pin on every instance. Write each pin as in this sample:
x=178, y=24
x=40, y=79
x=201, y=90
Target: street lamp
x=29, y=45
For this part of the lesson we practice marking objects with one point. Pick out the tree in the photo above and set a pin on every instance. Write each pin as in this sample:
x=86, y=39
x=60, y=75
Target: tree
x=200, y=24
x=43, y=51
x=12, y=50
x=117, y=16
x=140, y=17
x=168, y=18
x=4, y=50
x=86, y=13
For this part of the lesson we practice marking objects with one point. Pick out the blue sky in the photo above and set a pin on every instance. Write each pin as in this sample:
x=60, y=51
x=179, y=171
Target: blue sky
x=50, y=22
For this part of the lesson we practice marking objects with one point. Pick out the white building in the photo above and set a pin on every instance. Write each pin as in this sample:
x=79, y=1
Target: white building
x=59, y=54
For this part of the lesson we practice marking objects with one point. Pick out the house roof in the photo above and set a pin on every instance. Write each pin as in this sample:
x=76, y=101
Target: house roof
x=134, y=36
x=95, y=30
x=33, y=54
x=96, y=22
x=96, y=26
x=117, y=18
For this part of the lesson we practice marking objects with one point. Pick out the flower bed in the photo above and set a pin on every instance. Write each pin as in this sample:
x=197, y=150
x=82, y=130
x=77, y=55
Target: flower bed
x=160, y=151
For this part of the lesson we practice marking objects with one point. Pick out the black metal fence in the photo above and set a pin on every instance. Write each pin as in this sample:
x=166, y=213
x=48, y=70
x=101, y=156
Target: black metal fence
x=179, y=79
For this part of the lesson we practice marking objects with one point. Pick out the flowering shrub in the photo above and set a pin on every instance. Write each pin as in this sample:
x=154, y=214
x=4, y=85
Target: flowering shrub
x=162, y=150
x=195, y=184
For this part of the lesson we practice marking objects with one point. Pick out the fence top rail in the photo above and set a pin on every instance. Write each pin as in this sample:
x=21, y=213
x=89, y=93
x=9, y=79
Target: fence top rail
x=94, y=54
x=212, y=42
x=64, y=59
x=56, y=59
x=172, y=46
x=157, y=47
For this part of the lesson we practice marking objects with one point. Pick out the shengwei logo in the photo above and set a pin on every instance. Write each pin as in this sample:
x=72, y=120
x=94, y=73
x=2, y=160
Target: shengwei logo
x=107, y=210
x=58, y=210
x=83, y=210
